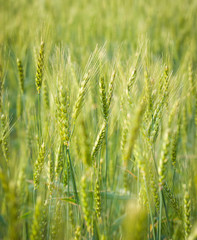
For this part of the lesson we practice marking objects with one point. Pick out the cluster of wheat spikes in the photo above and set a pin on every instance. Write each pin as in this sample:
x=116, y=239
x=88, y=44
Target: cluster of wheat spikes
x=92, y=141
x=98, y=120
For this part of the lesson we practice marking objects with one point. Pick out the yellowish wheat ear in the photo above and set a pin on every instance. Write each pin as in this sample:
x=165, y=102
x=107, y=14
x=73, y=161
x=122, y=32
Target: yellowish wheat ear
x=40, y=68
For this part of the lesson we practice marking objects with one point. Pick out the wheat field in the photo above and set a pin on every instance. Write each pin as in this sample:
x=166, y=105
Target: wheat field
x=98, y=120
